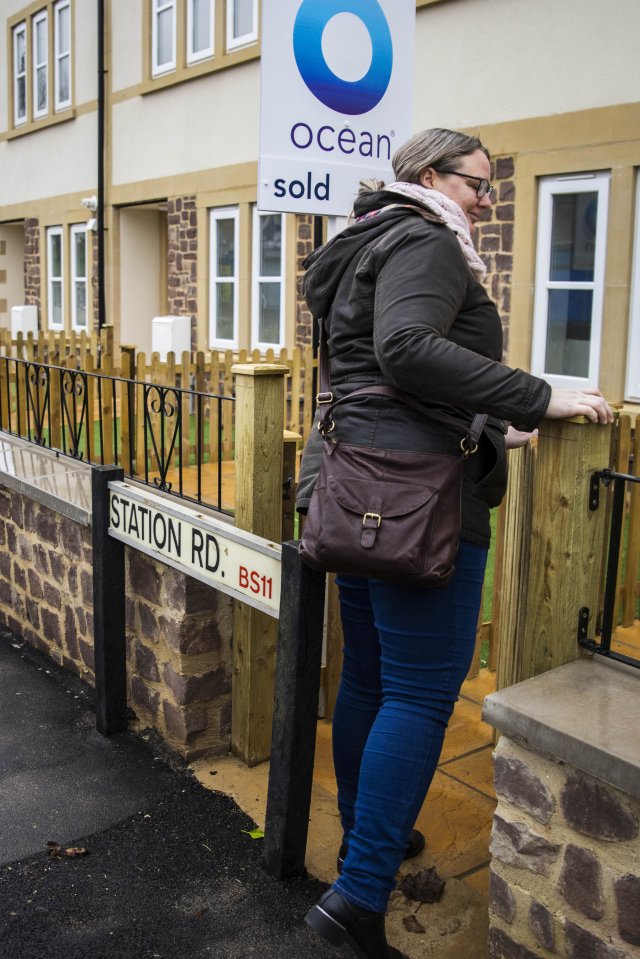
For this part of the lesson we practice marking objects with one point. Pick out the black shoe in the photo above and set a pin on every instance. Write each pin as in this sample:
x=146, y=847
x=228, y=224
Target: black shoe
x=338, y=921
x=414, y=848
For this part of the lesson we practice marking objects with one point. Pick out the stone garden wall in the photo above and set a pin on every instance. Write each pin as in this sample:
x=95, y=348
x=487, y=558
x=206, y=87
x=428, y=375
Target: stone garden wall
x=565, y=874
x=178, y=630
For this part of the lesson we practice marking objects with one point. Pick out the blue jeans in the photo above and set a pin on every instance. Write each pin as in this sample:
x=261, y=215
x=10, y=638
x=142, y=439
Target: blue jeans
x=407, y=651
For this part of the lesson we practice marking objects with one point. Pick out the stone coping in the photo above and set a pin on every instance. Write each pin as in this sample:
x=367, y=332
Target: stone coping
x=61, y=483
x=584, y=713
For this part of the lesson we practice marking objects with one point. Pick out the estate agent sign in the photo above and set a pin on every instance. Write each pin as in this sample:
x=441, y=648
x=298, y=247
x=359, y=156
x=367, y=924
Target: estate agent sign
x=337, y=79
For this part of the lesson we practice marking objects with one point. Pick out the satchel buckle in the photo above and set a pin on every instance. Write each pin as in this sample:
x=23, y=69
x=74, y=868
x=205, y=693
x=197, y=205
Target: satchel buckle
x=325, y=428
x=374, y=516
x=324, y=398
x=468, y=450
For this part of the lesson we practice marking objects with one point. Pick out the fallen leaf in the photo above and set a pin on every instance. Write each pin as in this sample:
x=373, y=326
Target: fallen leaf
x=424, y=886
x=200, y=912
x=57, y=852
x=254, y=833
x=411, y=924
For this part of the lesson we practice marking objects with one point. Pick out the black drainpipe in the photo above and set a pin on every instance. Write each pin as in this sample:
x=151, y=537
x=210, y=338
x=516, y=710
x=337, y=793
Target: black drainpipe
x=101, y=126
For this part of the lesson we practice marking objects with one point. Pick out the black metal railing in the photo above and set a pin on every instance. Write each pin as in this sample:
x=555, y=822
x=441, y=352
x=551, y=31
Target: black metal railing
x=168, y=437
x=610, y=606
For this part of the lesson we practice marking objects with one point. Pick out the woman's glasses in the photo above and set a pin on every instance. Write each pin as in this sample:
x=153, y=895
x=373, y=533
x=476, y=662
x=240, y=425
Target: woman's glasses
x=483, y=188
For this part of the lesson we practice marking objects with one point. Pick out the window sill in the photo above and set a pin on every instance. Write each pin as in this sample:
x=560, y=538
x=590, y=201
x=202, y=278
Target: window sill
x=201, y=68
x=35, y=125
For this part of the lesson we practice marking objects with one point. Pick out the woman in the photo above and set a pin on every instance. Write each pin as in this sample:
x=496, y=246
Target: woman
x=402, y=304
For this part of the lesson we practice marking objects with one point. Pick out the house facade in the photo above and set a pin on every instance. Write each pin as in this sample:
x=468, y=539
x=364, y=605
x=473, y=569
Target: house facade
x=552, y=89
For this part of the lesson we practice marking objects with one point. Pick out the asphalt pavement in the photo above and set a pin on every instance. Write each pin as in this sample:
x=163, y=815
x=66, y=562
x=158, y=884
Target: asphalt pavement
x=158, y=866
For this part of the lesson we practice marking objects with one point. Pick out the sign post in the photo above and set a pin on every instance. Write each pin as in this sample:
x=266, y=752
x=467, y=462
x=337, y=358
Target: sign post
x=336, y=99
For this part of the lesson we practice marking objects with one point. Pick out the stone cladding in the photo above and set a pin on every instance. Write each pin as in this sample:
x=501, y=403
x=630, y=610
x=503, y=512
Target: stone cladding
x=46, y=581
x=565, y=872
x=494, y=240
x=182, y=255
x=178, y=630
x=32, y=265
x=179, y=635
x=304, y=246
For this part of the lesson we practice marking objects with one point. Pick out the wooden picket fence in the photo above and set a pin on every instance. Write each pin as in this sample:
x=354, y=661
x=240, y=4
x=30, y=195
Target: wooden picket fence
x=205, y=372
x=210, y=372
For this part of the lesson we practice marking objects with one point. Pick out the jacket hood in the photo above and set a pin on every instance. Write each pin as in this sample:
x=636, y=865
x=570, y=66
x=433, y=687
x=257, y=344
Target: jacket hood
x=326, y=265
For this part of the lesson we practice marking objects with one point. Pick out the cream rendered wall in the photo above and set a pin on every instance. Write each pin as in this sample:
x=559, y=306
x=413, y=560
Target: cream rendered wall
x=58, y=160
x=488, y=61
x=212, y=121
x=12, y=263
x=139, y=275
x=61, y=158
x=126, y=25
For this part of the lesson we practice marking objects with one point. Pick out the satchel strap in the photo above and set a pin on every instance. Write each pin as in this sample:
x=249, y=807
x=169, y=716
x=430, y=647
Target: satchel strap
x=469, y=442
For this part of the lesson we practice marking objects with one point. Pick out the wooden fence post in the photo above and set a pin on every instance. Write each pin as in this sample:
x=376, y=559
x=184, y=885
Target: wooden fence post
x=258, y=509
x=555, y=548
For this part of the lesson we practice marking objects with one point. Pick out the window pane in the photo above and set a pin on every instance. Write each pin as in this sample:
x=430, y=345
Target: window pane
x=201, y=24
x=64, y=91
x=21, y=52
x=80, y=247
x=56, y=256
x=270, y=244
x=573, y=236
x=225, y=230
x=42, y=88
x=22, y=97
x=41, y=41
x=569, y=332
x=242, y=17
x=165, y=37
x=64, y=40
x=269, y=318
x=224, y=311
x=81, y=303
x=56, y=298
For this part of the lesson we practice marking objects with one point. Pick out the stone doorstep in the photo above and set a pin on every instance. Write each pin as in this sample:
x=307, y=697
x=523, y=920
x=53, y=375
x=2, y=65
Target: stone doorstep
x=581, y=713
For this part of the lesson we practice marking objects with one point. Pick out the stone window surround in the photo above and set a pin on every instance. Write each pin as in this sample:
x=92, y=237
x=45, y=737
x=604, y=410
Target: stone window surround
x=549, y=187
x=221, y=58
x=55, y=114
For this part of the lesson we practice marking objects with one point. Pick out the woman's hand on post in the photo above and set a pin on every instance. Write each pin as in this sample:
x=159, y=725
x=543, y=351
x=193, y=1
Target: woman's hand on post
x=588, y=402
x=517, y=438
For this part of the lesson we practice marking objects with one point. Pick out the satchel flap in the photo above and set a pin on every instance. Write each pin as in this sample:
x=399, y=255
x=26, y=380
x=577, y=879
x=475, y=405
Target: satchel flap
x=396, y=499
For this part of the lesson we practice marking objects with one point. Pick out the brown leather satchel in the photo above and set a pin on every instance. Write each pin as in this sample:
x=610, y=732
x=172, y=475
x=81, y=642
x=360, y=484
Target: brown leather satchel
x=386, y=514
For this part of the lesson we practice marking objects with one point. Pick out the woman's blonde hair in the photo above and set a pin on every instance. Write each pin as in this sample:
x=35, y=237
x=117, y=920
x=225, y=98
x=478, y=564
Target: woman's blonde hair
x=435, y=148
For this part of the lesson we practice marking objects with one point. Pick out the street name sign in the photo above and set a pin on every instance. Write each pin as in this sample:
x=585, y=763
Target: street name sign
x=336, y=99
x=245, y=566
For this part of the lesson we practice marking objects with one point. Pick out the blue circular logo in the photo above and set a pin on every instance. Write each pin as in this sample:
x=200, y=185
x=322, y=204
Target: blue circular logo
x=344, y=96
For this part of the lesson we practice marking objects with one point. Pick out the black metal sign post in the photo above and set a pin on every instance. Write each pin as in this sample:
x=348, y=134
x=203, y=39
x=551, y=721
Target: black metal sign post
x=295, y=715
x=298, y=663
x=108, y=609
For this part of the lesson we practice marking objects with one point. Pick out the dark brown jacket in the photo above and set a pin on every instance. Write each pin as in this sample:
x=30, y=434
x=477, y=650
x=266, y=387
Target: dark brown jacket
x=401, y=307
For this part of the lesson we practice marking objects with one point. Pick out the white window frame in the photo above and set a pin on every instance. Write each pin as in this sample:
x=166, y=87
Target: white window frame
x=246, y=38
x=42, y=17
x=215, y=215
x=257, y=279
x=20, y=31
x=550, y=187
x=158, y=7
x=632, y=390
x=52, y=232
x=79, y=229
x=60, y=55
x=192, y=55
